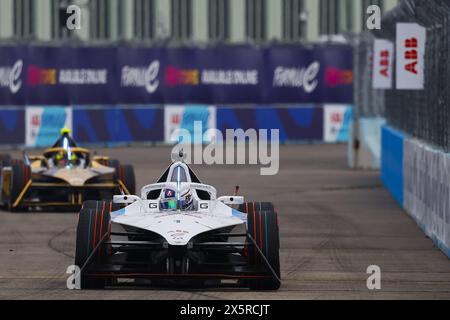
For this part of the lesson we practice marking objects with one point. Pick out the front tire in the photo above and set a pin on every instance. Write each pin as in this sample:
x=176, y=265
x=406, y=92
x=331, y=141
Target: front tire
x=20, y=177
x=94, y=225
x=125, y=174
x=262, y=226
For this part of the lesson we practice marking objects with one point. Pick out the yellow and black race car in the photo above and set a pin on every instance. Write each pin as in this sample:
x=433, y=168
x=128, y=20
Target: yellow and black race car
x=63, y=177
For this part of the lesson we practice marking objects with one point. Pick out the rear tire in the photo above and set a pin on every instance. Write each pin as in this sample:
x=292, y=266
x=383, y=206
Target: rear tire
x=257, y=206
x=262, y=226
x=93, y=226
x=20, y=176
x=126, y=175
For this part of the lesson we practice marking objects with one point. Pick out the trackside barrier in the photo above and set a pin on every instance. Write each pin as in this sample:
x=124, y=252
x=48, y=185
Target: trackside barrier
x=418, y=177
x=296, y=123
x=364, y=148
x=115, y=75
x=427, y=190
x=12, y=124
x=392, y=161
x=39, y=126
x=113, y=124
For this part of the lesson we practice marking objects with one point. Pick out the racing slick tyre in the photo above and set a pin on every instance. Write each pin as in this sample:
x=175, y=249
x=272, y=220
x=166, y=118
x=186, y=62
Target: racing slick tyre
x=20, y=177
x=262, y=226
x=256, y=206
x=92, y=231
x=125, y=173
x=5, y=161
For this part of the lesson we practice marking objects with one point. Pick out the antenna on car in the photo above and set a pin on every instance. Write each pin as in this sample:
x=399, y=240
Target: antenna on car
x=179, y=155
x=26, y=159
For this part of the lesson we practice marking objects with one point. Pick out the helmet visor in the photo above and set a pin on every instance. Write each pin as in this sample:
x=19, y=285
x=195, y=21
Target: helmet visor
x=169, y=204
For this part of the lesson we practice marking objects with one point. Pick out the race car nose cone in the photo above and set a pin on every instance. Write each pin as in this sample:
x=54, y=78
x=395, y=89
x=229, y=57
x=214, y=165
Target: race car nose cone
x=77, y=182
x=75, y=177
x=178, y=236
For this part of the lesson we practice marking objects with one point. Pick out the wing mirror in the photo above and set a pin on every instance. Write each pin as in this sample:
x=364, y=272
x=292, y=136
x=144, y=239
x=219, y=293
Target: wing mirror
x=231, y=200
x=125, y=199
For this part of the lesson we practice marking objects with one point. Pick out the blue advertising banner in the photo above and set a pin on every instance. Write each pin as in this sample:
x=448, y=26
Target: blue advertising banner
x=392, y=173
x=116, y=124
x=71, y=76
x=139, y=78
x=232, y=75
x=295, y=124
x=159, y=75
x=12, y=126
x=317, y=75
x=12, y=75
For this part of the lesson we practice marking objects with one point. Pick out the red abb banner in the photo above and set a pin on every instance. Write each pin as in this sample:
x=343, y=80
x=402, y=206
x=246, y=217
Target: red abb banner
x=383, y=52
x=411, y=40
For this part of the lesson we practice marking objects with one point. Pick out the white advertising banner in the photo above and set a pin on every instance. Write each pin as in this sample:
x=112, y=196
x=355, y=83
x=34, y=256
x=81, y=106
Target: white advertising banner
x=336, y=126
x=411, y=39
x=186, y=117
x=43, y=124
x=382, y=65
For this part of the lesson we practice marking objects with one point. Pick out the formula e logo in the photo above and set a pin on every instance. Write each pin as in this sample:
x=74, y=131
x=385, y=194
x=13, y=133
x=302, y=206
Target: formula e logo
x=141, y=77
x=10, y=77
x=305, y=77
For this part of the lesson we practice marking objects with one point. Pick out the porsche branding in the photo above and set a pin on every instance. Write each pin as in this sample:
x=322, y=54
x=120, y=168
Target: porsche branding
x=37, y=76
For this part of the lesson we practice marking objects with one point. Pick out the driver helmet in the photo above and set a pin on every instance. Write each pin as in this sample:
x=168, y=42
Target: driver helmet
x=65, y=131
x=169, y=200
x=186, y=199
x=61, y=160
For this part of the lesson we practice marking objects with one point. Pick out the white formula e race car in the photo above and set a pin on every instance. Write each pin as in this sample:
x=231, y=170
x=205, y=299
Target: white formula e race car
x=178, y=233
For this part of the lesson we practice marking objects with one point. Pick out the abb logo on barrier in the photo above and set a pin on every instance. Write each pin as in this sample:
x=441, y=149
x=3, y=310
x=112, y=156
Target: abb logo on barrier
x=383, y=54
x=411, y=55
x=385, y=63
x=411, y=41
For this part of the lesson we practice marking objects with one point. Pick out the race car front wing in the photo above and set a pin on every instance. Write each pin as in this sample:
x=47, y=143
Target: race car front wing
x=237, y=268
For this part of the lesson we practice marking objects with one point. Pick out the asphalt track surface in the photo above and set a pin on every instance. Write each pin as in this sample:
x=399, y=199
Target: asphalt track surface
x=334, y=223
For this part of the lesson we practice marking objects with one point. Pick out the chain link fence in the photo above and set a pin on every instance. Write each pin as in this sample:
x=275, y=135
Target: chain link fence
x=367, y=101
x=424, y=114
